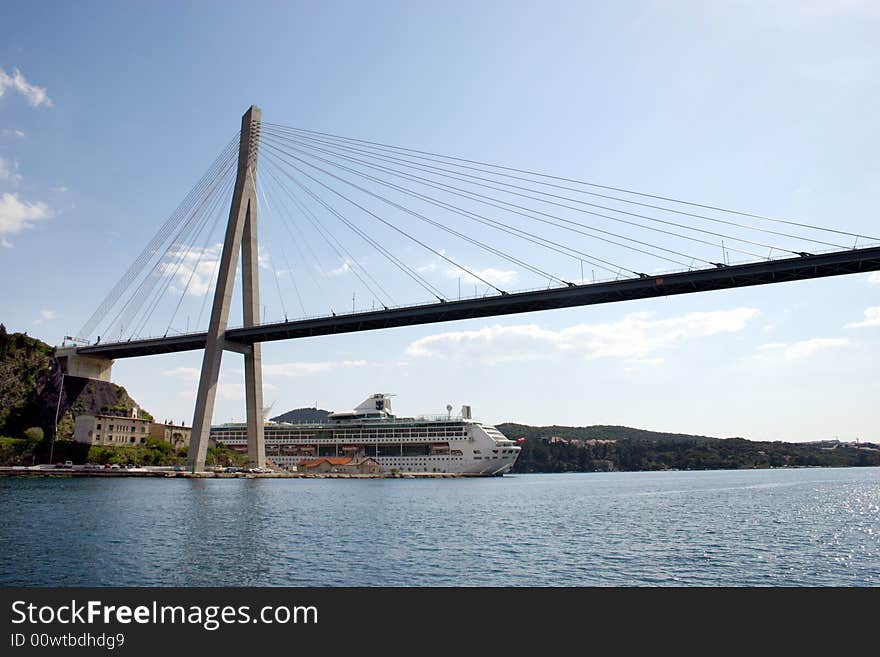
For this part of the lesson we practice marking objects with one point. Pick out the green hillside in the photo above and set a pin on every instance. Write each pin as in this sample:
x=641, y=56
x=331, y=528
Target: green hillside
x=30, y=386
x=616, y=448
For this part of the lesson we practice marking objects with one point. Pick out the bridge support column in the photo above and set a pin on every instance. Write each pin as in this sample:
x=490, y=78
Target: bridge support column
x=241, y=236
x=253, y=359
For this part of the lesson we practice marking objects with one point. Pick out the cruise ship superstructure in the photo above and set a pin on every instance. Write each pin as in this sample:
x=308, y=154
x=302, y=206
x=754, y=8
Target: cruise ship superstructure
x=429, y=444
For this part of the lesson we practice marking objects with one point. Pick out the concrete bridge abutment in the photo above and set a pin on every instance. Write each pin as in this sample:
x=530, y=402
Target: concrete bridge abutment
x=85, y=367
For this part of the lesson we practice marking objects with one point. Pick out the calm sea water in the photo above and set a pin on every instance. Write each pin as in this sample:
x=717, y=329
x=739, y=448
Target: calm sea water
x=770, y=527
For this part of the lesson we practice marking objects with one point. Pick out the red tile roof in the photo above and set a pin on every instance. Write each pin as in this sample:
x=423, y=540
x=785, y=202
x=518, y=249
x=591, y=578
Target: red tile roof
x=332, y=460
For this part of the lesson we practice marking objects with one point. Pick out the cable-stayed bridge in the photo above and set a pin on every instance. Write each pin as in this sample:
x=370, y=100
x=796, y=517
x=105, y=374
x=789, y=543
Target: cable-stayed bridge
x=395, y=221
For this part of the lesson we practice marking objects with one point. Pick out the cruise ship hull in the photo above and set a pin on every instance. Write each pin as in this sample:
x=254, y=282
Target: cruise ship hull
x=410, y=445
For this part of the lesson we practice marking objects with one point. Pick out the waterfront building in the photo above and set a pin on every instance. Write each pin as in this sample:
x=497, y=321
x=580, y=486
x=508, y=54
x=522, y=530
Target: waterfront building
x=111, y=429
x=176, y=434
x=116, y=430
x=340, y=464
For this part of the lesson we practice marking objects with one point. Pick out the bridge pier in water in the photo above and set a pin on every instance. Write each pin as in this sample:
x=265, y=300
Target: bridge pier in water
x=241, y=235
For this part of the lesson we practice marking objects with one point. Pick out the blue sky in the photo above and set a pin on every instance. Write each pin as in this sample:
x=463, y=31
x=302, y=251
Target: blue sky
x=109, y=114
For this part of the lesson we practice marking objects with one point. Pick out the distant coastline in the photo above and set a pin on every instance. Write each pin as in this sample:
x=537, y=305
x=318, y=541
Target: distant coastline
x=624, y=449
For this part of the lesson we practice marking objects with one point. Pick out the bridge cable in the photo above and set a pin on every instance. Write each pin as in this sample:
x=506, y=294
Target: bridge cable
x=218, y=213
x=212, y=285
x=260, y=192
x=519, y=232
x=290, y=270
x=144, y=291
x=321, y=230
x=440, y=254
x=142, y=301
x=152, y=247
x=420, y=166
x=149, y=281
x=411, y=212
x=473, y=241
x=580, y=182
x=214, y=210
x=510, y=230
x=481, y=198
x=146, y=285
x=333, y=242
x=471, y=180
x=426, y=285
x=525, y=235
x=159, y=238
x=287, y=225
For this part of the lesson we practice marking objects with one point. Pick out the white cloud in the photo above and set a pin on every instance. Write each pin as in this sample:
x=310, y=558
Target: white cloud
x=12, y=132
x=193, y=266
x=58, y=190
x=5, y=243
x=637, y=364
x=45, y=315
x=183, y=373
x=9, y=171
x=804, y=348
x=493, y=276
x=652, y=362
x=634, y=339
x=872, y=318
x=17, y=215
x=230, y=391
x=433, y=265
x=344, y=268
x=263, y=259
x=225, y=392
x=192, y=374
x=874, y=278
x=306, y=369
x=34, y=95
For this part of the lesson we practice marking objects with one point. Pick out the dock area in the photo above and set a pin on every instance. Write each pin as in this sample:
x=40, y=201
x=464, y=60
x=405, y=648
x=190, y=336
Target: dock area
x=171, y=473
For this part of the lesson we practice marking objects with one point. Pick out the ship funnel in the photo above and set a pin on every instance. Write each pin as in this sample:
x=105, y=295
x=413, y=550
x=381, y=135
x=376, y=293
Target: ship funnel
x=380, y=401
x=466, y=412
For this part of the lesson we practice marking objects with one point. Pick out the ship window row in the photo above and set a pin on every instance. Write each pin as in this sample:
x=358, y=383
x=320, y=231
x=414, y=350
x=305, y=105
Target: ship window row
x=365, y=434
x=395, y=434
x=396, y=450
x=337, y=440
x=346, y=434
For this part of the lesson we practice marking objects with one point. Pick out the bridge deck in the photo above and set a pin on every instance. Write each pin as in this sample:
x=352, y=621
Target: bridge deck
x=701, y=280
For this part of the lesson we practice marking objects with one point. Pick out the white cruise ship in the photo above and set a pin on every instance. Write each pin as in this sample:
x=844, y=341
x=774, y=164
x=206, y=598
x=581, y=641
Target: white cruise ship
x=429, y=444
